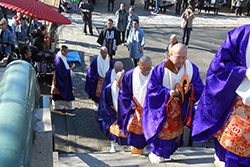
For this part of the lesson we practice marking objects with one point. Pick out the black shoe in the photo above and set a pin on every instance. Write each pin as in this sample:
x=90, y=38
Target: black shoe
x=91, y=34
x=85, y=33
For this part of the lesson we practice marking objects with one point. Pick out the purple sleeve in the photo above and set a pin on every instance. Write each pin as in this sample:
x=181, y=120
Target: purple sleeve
x=125, y=102
x=154, y=111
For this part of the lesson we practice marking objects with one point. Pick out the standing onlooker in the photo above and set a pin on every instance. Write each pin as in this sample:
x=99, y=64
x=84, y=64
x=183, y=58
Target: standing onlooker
x=122, y=20
x=146, y=4
x=216, y=7
x=187, y=24
x=132, y=3
x=38, y=37
x=87, y=8
x=192, y=3
x=110, y=38
x=157, y=2
x=208, y=6
x=178, y=6
x=201, y=5
x=5, y=12
x=131, y=18
x=6, y=37
x=136, y=42
x=184, y=4
x=240, y=4
x=35, y=24
x=21, y=32
x=248, y=7
x=233, y=3
x=62, y=87
x=112, y=3
x=75, y=5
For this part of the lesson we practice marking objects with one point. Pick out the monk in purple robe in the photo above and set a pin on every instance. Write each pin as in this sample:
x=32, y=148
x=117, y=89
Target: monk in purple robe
x=224, y=108
x=163, y=115
x=130, y=104
x=107, y=113
x=62, y=87
x=96, y=74
x=111, y=74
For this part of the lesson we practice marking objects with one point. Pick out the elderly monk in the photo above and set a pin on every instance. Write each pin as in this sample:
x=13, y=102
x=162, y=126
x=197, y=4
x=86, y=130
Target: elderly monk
x=107, y=113
x=130, y=103
x=96, y=74
x=224, y=107
x=111, y=74
x=167, y=106
x=62, y=87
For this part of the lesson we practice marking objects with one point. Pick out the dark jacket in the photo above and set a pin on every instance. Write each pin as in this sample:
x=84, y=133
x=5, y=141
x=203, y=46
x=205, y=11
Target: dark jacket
x=89, y=6
x=38, y=39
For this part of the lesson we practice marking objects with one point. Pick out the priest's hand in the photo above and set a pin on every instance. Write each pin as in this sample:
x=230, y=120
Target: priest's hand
x=248, y=74
x=128, y=47
x=134, y=107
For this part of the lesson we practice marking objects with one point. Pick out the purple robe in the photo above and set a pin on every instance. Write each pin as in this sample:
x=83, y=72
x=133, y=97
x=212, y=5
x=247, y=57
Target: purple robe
x=106, y=115
x=225, y=74
x=125, y=112
x=107, y=79
x=92, y=79
x=63, y=81
x=154, y=112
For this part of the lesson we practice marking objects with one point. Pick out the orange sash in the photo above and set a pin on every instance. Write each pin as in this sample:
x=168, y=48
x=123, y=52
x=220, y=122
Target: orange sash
x=173, y=126
x=99, y=87
x=135, y=124
x=235, y=133
x=114, y=129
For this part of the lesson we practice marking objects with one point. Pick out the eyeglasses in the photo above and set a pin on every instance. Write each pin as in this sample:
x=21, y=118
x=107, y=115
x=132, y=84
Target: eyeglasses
x=145, y=69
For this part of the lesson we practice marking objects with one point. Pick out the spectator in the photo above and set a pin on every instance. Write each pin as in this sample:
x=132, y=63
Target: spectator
x=21, y=33
x=248, y=7
x=35, y=24
x=187, y=24
x=233, y=3
x=121, y=20
x=110, y=38
x=208, y=6
x=216, y=7
x=38, y=37
x=131, y=18
x=178, y=6
x=132, y=3
x=157, y=2
x=146, y=4
x=87, y=8
x=184, y=4
x=240, y=4
x=201, y=5
x=26, y=54
x=6, y=37
x=112, y=3
x=75, y=5
x=136, y=42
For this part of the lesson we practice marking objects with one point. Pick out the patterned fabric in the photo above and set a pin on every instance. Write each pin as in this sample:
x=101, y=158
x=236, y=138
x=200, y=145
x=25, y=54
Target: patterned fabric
x=235, y=133
x=135, y=124
x=173, y=126
x=114, y=129
x=99, y=87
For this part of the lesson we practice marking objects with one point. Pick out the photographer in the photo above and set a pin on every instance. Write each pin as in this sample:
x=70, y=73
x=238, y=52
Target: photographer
x=187, y=24
x=38, y=37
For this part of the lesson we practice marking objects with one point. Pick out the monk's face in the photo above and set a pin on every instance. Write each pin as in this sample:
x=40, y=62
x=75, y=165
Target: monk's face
x=104, y=53
x=145, y=67
x=179, y=57
x=64, y=53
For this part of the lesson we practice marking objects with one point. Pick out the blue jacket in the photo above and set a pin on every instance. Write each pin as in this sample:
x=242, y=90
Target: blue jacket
x=8, y=39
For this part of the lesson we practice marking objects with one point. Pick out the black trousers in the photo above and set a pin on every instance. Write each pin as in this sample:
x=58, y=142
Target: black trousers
x=178, y=8
x=136, y=61
x=146, y=4
x=184, y=5
x=238, y=10
x=123, y=36
x=132, y=2
x=112, y=3
x=88, y=20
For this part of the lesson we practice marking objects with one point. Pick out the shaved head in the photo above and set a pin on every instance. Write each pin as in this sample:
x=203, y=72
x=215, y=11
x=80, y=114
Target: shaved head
x=144, y=59
x=118, y=66
x=179, y=55
x=173, y=39
x=178, y=47
x=104, y=52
